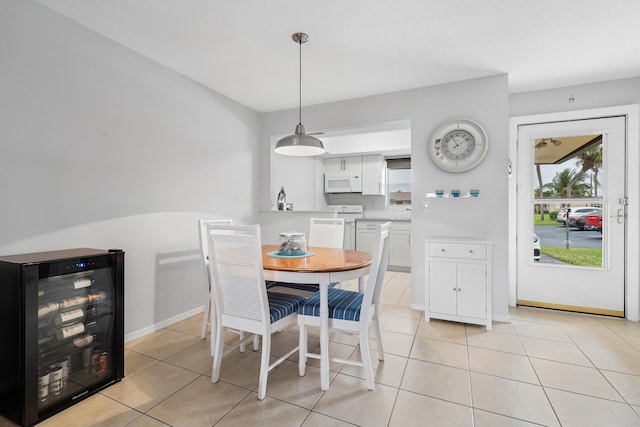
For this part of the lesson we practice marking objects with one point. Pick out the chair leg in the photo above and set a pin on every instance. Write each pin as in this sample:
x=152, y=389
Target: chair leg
x=376, y=330
x=302, y=349
x=366, y=358
x=205, y=319
x=256, y=342
x=264, y=366
x=217, y=357
x=242, y=346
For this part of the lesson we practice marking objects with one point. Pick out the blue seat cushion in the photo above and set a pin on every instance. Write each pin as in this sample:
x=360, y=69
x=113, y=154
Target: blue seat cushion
x=282, y=305
x=343, y=304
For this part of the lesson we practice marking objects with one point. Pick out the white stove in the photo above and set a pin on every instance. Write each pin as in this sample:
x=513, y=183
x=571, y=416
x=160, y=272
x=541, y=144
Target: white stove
x=349, y=213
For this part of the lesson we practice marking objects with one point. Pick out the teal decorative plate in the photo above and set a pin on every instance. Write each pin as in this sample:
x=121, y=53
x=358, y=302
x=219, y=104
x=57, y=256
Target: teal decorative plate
x=292, y=254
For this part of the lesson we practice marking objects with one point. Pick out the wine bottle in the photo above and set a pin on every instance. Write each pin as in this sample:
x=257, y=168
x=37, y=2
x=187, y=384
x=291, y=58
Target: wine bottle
x=84, y=340
x=72, y=302
x=70, y=330
x=68, y=316
x=97, y=296
x=48, y=308
x=82, y=282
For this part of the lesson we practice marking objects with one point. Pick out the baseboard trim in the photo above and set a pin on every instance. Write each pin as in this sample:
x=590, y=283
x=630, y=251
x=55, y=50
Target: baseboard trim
x=161, y=325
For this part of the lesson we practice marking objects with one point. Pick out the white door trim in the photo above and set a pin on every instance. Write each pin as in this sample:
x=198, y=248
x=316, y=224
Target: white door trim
x=632, y=291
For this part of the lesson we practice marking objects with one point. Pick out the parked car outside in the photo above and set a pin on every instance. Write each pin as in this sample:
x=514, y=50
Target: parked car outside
x=562, y=215
x=593, y=221
x=577, y=221
x=536, y=248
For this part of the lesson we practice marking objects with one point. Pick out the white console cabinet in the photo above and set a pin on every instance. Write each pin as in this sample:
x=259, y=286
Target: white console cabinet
x=458, y=280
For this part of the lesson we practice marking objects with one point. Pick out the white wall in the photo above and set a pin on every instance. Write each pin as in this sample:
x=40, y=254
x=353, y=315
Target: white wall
x=485, y=100
x=101, y=147
x=597, y=95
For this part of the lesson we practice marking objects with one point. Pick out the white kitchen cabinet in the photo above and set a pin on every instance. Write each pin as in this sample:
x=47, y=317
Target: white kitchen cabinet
x=348, y=164
x=365, y=235
x=400, y=244
x=399, y=241
x=374, y=175
x=458, y=280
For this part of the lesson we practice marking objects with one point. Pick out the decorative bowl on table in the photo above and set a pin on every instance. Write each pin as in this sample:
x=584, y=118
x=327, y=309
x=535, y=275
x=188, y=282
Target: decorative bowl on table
x=292, y=243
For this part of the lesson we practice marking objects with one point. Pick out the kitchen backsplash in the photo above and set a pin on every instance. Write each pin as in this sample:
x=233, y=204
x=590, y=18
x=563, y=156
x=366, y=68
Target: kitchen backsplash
x=370, y=203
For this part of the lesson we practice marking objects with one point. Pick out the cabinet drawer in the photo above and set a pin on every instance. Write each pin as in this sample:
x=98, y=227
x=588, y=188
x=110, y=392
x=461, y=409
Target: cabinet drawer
x=457, y=250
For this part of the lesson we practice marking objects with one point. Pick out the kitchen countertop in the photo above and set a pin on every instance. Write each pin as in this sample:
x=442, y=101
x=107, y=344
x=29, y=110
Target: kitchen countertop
x=380, y=218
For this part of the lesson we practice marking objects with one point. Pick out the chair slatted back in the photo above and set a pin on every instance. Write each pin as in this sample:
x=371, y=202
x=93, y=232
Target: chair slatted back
x=379, y=264
x=236, y=266
x=203, y=228
x=326, y=232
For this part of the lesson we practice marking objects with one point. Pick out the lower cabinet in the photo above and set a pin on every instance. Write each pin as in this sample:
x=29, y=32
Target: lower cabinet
x=400, y=245
x=399, y=242
x=458, y=280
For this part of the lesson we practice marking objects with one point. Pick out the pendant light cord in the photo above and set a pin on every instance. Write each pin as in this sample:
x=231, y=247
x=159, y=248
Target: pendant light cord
x=300, y=83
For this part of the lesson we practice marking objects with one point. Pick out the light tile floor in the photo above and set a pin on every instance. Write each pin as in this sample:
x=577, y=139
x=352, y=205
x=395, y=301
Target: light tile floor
x=544, y=368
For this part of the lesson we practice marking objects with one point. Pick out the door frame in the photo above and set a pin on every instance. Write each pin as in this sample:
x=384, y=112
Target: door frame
x=632, y=238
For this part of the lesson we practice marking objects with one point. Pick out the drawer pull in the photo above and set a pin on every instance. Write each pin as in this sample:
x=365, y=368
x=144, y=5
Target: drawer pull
x=470, y=251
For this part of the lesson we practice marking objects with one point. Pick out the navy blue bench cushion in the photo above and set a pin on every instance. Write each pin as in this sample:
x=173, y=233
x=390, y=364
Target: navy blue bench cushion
x=282, y=305
x=343, y=304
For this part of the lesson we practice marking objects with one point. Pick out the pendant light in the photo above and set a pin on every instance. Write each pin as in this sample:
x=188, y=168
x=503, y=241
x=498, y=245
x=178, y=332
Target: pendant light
x=300, y=144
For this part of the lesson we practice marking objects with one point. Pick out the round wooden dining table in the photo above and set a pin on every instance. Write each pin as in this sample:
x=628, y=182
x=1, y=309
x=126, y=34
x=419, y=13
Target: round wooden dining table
x=325, y=266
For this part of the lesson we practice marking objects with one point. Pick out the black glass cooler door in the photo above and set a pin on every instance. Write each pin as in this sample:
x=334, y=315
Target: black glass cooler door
x=76, y=340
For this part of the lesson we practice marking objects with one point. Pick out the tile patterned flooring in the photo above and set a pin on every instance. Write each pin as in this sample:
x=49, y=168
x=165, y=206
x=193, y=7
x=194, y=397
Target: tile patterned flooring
x=544, y=368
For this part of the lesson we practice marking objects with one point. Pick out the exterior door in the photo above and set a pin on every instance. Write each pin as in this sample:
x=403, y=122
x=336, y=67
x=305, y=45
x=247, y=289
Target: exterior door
x=569, y=168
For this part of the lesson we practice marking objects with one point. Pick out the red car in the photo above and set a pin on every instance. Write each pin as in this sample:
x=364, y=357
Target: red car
x=593, y=222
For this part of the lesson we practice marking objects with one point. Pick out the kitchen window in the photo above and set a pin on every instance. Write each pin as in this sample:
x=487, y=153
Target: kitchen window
x=399, y=183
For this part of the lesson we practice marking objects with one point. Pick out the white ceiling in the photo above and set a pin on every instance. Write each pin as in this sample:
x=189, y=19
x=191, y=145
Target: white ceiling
x=243, y=48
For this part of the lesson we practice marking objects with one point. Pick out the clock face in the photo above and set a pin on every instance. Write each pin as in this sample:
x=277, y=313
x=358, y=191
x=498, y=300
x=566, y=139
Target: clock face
x=458, y=145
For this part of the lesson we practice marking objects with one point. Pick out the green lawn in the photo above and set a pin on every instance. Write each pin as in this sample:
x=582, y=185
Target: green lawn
x=576, y=256
x=547, y=220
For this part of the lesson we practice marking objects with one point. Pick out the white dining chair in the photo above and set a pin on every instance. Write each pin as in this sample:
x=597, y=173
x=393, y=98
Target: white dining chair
x=326, y=232
x=204, y=253
x=240, y=297
x=350, y=311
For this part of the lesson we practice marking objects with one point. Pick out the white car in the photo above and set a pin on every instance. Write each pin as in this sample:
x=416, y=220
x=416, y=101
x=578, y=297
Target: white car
x=536, y=248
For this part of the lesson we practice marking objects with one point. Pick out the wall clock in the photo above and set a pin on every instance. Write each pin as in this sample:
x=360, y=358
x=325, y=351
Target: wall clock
x=458, y=145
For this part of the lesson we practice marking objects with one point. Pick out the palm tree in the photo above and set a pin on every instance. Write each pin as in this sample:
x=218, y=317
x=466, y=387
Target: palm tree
x=586, y=160
x=591, y=159
x=567, y=182
x=540, y=190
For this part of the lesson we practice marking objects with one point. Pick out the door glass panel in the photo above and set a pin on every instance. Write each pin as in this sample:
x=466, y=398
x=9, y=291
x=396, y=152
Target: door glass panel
x=567, y=202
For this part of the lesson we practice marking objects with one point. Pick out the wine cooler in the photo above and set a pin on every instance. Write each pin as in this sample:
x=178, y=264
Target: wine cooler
x=61, y=329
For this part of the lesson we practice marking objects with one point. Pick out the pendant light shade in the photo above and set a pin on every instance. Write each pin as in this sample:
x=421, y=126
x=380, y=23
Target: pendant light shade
x=300, y=144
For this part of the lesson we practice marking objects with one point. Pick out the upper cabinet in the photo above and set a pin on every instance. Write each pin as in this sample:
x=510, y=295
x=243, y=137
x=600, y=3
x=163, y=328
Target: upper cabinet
x=349, y=164
x=373, y=175
x=368, y=171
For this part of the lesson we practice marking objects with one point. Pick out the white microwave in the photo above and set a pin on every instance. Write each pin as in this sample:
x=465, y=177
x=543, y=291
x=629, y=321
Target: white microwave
x=347, y=182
